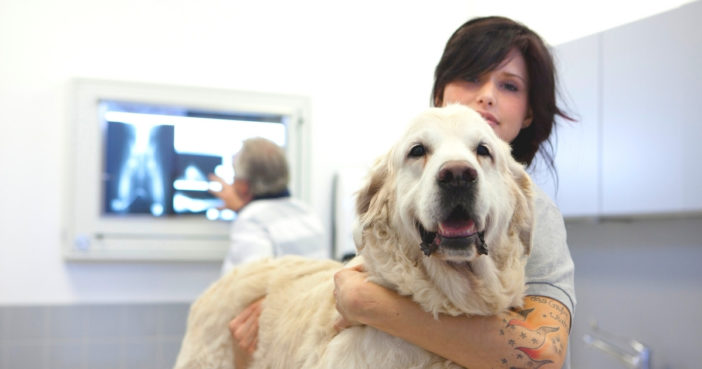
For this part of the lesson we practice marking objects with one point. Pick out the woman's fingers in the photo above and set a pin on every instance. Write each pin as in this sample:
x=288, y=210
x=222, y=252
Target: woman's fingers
x=244, y=327
x=249, y=333
x=341, y=324
x=346, y=284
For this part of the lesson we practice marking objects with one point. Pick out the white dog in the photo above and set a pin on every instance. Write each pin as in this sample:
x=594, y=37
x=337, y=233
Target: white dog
x=445, y=217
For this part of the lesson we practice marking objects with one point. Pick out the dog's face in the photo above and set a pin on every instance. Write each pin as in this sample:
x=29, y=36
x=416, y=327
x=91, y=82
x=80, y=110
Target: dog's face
x=451, y=187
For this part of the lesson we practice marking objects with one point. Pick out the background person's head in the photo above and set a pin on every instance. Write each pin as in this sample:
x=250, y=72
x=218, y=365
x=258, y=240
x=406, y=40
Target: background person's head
x=481, y=45
x=260, y=169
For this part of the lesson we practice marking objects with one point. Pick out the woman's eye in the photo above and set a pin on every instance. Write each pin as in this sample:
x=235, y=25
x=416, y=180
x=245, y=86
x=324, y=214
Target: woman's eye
x=471, y=79
x=417, y=151
x=511, y=87
x=483, y=150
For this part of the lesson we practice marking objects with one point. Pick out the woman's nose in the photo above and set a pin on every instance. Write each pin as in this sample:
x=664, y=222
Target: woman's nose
x=486, y=94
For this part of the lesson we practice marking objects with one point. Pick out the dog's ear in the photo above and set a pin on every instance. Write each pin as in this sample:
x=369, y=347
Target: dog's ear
x=374, y=182
x=523, y=218
x=369, y=203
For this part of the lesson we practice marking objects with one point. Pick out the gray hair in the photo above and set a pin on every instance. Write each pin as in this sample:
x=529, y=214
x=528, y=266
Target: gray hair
x=262, y=163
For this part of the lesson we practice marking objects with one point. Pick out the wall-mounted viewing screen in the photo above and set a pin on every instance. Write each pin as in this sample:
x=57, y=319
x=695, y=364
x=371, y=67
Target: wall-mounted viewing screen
x=141, y=156
x=158, y=158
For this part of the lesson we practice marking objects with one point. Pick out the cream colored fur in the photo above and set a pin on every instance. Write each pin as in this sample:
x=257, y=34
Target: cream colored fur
x=296, y=325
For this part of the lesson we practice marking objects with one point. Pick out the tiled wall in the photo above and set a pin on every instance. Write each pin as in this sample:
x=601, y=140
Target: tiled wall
x=144, y=336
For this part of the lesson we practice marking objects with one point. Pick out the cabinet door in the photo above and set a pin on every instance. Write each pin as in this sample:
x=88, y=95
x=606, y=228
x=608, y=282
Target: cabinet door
x=576, y=144
x=652, y=115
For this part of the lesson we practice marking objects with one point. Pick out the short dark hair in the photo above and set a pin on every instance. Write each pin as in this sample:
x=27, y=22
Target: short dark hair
x=479, y=46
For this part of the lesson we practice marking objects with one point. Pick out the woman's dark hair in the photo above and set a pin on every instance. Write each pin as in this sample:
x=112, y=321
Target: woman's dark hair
x=479, y=46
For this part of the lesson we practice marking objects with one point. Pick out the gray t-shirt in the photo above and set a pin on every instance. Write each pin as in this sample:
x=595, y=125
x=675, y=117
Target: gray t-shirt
x=550, y=269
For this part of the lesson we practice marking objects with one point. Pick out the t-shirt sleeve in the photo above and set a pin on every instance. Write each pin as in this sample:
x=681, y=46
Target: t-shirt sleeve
x=550, y=268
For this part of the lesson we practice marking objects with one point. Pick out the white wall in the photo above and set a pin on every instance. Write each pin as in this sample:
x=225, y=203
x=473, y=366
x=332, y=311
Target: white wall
x=367, y=67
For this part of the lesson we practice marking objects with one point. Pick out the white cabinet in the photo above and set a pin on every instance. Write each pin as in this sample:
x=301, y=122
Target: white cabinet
x=652, y=115
x=576, y=143
x=636, y=91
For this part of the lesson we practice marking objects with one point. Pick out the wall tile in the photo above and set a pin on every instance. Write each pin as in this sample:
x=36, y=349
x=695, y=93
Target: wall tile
x=100, y=336
x=139, y=321
x=67, y=322
x=26, y=356
x=66, y=355
x=172, y=319
x=142, y=354
x=23, y=323
x=104, y=321
x=168, y=352
x=3, y=354
x=103, y=355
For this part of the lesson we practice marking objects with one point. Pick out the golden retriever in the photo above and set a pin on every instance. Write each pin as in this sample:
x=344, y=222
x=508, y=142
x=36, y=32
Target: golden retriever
x=445, y=217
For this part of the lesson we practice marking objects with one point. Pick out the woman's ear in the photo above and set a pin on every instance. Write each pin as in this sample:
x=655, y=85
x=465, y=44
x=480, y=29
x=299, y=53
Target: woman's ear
x=528, y=119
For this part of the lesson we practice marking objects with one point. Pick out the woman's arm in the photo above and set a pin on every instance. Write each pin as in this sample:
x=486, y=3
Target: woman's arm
x=536, y=333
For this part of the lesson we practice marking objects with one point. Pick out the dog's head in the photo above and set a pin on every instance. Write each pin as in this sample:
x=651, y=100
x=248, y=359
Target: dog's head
x=450, y=190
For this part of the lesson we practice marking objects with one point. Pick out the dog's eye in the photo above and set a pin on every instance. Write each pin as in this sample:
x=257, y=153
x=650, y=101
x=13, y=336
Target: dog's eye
x=483, y=150
x=417, y=151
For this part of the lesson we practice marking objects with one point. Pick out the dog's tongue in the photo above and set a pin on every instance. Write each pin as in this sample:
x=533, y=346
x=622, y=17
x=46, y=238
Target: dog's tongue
x=457, y=228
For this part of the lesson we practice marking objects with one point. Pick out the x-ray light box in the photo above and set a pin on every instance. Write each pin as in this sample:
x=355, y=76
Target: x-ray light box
x=140, y=159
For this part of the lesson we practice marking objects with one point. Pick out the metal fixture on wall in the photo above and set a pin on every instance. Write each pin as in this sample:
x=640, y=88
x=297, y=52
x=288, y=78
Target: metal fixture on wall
x=634, y=354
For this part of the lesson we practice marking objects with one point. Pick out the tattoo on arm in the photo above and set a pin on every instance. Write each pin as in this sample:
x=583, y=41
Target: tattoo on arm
x=533, y=338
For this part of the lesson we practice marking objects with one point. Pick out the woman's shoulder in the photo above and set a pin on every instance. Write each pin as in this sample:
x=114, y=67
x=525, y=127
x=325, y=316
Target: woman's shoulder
x=549, y=226
x=544, y=206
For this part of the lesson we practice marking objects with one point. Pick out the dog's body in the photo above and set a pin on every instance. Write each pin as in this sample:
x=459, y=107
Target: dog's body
x=445, y=217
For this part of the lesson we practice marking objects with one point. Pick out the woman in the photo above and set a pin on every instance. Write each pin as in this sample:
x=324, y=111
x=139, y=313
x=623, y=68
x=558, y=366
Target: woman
x=504, y=71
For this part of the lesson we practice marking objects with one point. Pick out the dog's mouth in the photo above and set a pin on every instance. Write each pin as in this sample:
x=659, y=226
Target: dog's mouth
x=457, y=232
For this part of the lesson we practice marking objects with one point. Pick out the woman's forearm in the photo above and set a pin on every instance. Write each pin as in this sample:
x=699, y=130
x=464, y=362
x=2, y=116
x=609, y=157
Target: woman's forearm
x=536, y=333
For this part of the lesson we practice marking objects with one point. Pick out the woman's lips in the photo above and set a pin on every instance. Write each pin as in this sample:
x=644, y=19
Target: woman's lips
x=489, y=118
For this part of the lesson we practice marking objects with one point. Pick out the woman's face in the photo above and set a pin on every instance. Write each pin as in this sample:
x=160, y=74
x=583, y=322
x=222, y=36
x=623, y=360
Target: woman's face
x=501, y=96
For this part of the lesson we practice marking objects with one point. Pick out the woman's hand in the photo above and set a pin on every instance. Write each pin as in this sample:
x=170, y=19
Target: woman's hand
x=349, y=284
x=244, y=331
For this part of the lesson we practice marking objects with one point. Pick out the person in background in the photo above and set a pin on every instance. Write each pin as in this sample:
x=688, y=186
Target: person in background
x=503, y=70
x=269, y=222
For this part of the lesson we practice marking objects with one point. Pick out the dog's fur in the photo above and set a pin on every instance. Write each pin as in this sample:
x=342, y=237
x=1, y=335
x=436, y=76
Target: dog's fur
x=449, y=185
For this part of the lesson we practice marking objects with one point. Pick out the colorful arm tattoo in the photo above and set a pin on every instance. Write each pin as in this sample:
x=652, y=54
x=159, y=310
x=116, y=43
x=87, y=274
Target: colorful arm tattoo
x=535, y=338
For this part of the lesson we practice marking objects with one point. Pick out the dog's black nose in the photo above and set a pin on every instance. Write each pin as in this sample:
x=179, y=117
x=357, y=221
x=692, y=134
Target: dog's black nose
x=456, y=174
